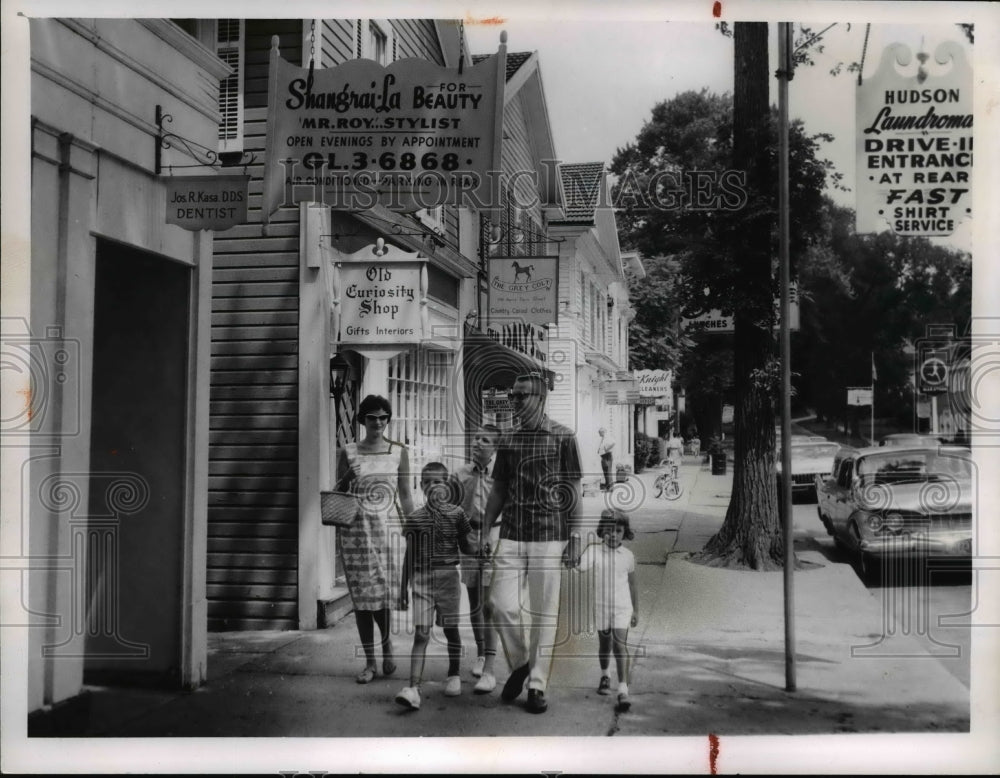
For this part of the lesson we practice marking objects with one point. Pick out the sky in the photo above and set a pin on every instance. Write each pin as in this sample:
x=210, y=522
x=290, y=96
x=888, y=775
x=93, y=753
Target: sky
x=602, y=77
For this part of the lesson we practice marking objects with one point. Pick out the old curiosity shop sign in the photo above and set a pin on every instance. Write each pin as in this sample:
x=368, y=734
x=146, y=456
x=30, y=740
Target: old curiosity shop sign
x=524, y=289
x=380, y=300
x=207, y=202
x=914, y=145
x=407, y=136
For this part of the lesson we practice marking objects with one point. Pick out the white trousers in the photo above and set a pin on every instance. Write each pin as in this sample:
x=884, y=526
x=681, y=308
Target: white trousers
x=525, y=598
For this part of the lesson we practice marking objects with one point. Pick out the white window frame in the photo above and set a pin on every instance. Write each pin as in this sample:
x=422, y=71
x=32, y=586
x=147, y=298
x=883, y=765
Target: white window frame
x=421, y=395
x=432, y=218
x=233, y=54
x=385, y=27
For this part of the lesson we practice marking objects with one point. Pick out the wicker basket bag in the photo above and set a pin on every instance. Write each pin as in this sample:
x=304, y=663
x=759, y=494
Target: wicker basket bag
x=339, y=509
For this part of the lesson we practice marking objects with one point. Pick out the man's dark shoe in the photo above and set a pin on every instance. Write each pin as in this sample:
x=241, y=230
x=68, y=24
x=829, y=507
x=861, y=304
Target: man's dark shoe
x=515, y=684
x=536, y=701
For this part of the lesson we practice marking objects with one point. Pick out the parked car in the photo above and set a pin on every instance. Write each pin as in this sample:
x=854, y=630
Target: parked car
x=910, y=439
x=797, y=436
x=905, y=502
x=810, y=458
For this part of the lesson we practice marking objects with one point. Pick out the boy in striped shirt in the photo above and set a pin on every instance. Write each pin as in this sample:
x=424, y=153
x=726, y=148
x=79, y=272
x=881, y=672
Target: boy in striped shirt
x=434, y=534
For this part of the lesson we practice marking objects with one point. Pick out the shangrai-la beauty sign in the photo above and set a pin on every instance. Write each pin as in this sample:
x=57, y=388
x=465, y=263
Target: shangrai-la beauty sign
x=407, y=136
x=914, y=143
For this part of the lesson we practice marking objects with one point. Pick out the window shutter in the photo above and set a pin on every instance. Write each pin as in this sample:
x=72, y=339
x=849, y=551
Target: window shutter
x=229, y=47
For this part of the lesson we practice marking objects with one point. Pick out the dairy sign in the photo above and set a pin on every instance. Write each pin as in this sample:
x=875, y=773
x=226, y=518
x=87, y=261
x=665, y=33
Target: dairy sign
x=407, y=136
x=914, y=144
x=524, y=290
x=380, y=302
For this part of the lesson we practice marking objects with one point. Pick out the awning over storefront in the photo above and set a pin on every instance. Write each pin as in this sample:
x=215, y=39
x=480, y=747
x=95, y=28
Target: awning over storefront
x=491, y=365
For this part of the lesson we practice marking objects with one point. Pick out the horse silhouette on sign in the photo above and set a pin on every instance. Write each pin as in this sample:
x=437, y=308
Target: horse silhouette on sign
x=522, y=271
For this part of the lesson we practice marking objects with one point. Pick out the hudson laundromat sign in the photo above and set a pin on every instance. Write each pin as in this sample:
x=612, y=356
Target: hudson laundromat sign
x=914, y=143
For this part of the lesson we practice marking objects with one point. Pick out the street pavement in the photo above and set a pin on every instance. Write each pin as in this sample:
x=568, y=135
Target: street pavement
x=709, y=659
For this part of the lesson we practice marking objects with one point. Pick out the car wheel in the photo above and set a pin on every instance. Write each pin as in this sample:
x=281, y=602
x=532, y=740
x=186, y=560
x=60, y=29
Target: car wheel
x=827, y=525
x=871, y=569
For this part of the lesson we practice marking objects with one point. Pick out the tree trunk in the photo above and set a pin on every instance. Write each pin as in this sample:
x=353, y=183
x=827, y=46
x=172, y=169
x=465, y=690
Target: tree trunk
x=751, y=535
x=706, y=409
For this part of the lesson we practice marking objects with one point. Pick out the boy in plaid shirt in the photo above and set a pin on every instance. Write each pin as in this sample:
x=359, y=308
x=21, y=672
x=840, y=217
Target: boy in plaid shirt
x=434, y=534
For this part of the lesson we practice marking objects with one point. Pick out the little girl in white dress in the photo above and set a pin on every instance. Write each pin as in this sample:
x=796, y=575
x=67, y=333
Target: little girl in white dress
x=616, y=598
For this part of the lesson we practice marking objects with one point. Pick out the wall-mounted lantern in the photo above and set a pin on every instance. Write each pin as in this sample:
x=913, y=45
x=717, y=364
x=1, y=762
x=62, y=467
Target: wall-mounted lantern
x=340, y=371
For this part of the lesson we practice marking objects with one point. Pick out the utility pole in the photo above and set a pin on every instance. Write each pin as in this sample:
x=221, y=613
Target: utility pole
x=784, y=75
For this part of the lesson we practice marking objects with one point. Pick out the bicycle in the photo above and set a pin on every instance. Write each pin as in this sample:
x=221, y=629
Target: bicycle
x=667, y=484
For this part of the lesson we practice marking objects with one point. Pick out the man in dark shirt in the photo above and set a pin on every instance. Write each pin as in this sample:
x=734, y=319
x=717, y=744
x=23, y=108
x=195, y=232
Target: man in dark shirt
x=536, y=487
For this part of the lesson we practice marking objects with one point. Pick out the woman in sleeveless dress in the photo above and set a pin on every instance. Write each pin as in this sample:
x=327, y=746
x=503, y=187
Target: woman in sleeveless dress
x=371, y=549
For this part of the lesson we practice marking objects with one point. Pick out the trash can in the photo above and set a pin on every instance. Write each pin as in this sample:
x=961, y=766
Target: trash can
x=718, y=462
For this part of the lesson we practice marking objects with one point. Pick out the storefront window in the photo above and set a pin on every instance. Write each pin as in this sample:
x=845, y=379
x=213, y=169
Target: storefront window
x=421, y=397
x=442, y=286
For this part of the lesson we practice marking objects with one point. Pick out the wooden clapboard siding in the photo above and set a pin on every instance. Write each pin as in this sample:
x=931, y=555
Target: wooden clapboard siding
x=253, y=412
x=252, y=571
x=338, y=40
x=417, y=38
x=517, y=157
x=257, y=35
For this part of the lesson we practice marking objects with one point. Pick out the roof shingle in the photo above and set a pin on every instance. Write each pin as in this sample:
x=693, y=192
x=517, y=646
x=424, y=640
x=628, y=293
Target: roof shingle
x=514, y=61
x=581, y=186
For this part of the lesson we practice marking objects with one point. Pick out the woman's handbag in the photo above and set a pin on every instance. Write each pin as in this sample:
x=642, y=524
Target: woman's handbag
x=339, y=509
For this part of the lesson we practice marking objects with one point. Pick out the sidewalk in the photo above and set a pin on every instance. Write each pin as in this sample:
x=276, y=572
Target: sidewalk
x=710, y=659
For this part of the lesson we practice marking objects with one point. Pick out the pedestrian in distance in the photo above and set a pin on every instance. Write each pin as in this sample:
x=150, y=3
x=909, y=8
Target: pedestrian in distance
x=377, y=470
x=675, y=449
x=607, y=458
x=434, y=534
x=536, y=490
x=616, y=598
x=471, y=489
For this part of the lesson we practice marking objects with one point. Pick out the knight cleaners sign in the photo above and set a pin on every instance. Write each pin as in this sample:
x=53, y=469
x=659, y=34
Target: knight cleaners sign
x=407, y=136
x=914, y=144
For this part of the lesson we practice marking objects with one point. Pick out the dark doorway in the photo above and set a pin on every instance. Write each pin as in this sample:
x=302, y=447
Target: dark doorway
x=138, y=455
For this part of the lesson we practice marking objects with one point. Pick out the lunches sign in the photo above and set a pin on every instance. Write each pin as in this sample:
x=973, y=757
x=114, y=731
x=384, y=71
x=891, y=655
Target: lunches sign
x=407, y=136
x=914, y=145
